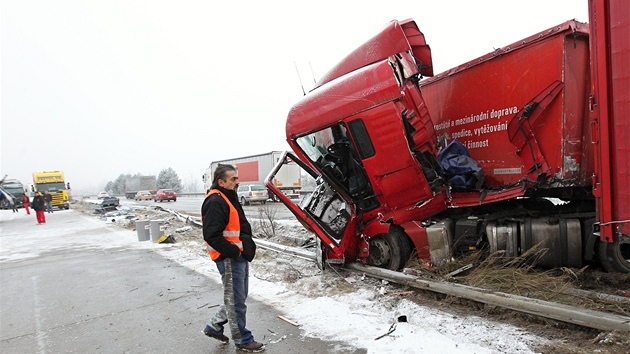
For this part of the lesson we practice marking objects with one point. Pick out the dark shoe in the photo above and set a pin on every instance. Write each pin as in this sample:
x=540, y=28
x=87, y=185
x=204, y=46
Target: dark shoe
x=218, y=336
x=253, y=347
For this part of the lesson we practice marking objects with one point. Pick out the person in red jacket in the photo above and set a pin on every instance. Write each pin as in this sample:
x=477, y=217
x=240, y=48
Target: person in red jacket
x=26, y=201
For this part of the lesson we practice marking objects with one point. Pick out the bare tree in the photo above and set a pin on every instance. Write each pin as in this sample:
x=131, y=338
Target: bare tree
x=192, y=185
x=267, y=220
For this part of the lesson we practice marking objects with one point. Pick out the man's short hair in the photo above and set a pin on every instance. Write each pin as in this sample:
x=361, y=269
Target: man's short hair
x=221, y=173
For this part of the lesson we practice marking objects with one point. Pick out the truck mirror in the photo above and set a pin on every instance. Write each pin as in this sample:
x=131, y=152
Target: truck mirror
x=68, y=185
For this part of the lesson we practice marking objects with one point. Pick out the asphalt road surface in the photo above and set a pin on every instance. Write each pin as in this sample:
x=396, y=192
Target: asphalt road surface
x=77, y=285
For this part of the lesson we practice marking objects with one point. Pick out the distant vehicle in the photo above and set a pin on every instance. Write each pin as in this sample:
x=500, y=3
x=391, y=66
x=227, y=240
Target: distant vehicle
x=139, y=183
x=165, y=194
x=143, y=195
x=16, y=190
x=255, y=168
x=102, y=195
x=55, y=183
x=248, y=193
x=109, y=202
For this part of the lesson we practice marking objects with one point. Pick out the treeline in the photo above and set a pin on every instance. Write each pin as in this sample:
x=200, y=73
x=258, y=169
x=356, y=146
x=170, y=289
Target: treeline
x=167, y=178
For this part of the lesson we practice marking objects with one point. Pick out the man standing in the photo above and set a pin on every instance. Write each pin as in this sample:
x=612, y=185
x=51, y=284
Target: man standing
x=48, y=199
x=39, y=205
x=229, y=243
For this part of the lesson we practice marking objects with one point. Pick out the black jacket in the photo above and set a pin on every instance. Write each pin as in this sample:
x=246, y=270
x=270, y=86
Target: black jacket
x=216, y=214
x=38, y=203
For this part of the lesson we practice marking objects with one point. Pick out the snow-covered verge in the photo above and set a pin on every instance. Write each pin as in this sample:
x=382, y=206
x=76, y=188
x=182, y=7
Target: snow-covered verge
x=358, y=311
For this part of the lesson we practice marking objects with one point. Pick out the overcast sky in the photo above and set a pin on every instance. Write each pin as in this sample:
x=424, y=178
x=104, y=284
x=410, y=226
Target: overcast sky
x=100, y=88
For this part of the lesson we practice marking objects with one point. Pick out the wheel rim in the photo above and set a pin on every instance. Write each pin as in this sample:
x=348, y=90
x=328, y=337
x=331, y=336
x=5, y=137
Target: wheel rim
x=386, y=251
x=380, y=253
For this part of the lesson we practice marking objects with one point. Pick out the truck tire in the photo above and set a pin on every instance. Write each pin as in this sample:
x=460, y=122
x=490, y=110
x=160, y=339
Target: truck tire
x=615, y=256
x=390, y=250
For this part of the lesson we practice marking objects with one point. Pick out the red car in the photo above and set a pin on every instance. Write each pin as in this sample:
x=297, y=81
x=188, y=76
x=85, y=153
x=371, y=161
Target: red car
x=165, y=194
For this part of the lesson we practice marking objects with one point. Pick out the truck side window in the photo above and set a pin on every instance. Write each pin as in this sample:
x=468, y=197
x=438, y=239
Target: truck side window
x=361, y=138
x=315, y=145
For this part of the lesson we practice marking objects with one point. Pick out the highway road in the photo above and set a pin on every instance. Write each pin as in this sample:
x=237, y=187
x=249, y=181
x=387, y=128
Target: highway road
x=192, y=206
x=80, y=285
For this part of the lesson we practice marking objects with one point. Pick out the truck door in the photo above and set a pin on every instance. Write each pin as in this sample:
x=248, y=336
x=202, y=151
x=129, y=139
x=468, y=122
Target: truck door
x=320, y=208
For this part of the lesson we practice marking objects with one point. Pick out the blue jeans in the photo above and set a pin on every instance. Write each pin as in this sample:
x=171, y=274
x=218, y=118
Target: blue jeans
x=49, y=207
x=233, y=311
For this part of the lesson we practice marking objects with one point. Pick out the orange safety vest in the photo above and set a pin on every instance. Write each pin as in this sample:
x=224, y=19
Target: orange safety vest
x=232, y=231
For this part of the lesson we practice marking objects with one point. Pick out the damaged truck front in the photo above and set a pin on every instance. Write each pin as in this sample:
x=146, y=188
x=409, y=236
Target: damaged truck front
x=493, y=155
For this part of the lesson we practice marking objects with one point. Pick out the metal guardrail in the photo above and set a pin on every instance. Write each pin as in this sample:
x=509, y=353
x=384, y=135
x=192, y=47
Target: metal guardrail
x=570, y=314
x=122, y=196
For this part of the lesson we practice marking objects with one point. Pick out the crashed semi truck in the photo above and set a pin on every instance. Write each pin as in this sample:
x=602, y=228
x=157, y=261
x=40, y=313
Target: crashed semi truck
x=522, y=149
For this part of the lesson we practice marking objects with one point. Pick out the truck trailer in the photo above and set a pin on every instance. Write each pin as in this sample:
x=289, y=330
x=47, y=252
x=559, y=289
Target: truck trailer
x=524, y=148
x=139, y=183
x=255, y=168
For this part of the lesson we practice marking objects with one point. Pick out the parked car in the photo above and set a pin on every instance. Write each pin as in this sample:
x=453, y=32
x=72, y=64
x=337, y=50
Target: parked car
x=144, y=195
x=248, y=193
x=165, y=194
x=102, y=195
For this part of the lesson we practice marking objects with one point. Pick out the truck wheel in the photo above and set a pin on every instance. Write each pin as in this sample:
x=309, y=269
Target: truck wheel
x=615, y=256
x=386, y=251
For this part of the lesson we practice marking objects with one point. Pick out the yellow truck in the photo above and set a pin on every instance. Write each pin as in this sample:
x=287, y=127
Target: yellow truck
x=55, y=183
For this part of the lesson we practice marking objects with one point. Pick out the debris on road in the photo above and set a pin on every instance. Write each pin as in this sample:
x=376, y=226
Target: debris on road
x=288, y=321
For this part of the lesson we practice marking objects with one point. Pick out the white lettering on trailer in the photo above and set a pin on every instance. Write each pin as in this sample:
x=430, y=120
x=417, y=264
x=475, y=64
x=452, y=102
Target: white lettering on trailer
x=508, y=171
x=477, y=117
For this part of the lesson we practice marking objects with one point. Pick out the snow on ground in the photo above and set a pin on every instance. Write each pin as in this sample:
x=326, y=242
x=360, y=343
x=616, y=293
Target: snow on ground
x=356, y=313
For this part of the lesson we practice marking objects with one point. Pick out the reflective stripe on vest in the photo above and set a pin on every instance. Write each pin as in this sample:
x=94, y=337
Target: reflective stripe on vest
x=232, y=231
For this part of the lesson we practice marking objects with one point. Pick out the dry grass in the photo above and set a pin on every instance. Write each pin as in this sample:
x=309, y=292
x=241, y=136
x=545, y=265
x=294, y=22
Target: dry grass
x=521, y=276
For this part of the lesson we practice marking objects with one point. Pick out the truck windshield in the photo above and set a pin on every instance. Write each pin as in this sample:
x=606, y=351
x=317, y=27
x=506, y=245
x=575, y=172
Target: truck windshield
x=333, y=152
x=51, y=187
